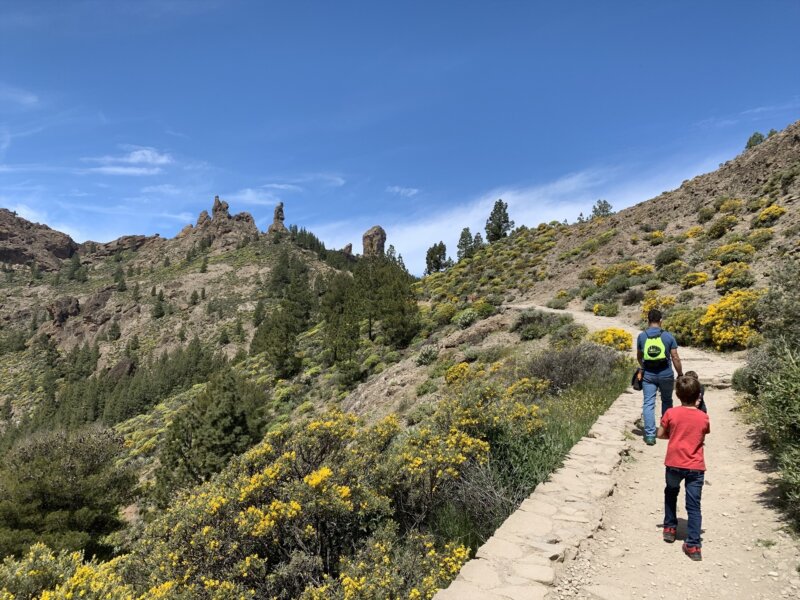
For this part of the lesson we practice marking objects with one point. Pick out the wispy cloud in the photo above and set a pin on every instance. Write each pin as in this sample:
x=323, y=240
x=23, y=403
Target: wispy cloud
x=17, y=97
x=285, y=187
x=252, y=196
x=751, y=114
x=405, y=192
x=123, y=170
x=136, y=155
x=164, y=189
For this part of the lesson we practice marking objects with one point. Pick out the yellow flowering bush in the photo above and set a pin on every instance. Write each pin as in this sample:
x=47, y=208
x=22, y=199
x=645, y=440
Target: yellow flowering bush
x=695, y=232
x=602, y=275
x=613, y=337
x=733, y=276
x=652, y=299
x=735, y=252
x=732, y=322
x=731, y=205
x=656, y=238
x=694, y=279
x=769, y=215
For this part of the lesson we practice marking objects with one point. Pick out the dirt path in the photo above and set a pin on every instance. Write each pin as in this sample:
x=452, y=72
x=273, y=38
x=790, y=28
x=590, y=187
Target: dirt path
x=746, y=551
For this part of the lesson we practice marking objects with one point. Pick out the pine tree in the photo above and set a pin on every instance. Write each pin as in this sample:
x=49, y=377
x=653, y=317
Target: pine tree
x=602, y=208
x=754, y=140
x=65, y=490
x=74, y=267
x=436, y=258
x=204, y=265
x=121, y=285
x=277, y=337
x=338, y=308
x=136, y=293
x=258, y=313
x=202, y=293
x=477, y=242
x=280, y=276
x=222, y=421
x=153, y=291
x=194, y=298
x=114, y=332
x=498, y=225
x=465, y=244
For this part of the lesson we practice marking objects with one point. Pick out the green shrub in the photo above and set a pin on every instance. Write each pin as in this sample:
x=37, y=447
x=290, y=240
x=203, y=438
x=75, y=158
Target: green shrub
x=465, y=318
x=568, y=335
x=634, y=296
x=427, y=355
x=721, y=226
x=760, y=237
x=607, y=309
x=483, y=308
x=705, y=214
x=444, y=313
x=673, y=272
x=536, y=324
x=571, y=364
x=558, y=303
x=427, y=387
x=619, y=284
x=667, y=256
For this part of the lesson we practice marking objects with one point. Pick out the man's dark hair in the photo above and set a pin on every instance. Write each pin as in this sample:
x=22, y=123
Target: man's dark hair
x=654, y=316
x=688, y=389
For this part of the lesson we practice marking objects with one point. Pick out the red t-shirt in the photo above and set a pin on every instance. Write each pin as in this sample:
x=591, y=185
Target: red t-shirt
x=687, y=428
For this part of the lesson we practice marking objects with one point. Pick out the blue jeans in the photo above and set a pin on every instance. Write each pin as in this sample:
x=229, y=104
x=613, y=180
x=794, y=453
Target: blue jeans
x=694, y=491
x=652, y=383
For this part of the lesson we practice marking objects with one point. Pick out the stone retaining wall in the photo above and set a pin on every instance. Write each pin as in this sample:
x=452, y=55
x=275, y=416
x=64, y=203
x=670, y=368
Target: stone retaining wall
x=521, y=560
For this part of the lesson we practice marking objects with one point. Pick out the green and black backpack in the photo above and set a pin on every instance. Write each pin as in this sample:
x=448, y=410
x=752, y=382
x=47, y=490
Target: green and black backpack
x=655, y=352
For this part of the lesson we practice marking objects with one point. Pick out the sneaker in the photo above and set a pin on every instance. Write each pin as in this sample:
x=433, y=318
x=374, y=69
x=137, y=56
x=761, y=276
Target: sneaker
x=669, y=534
x=650, y=440
x=693, y=552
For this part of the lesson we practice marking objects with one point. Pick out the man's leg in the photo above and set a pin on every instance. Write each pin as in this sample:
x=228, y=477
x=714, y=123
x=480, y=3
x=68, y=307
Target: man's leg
x=649, y=407
x=694, y=492
x=673, y=480
x=666, y=385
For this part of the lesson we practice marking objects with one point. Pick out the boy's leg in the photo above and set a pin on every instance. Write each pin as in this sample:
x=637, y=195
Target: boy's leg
x=649, y=407
x=694, y=492
x=666, y=385
x=673, y=480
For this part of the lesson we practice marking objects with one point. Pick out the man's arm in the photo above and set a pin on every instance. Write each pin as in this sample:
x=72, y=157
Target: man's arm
x=676, y=361
x=640, y=358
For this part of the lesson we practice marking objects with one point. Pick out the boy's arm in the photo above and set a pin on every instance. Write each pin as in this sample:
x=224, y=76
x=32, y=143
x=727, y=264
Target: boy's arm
x=663, y=429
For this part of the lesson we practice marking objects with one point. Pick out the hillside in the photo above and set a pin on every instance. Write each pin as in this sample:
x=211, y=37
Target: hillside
x=311, y=415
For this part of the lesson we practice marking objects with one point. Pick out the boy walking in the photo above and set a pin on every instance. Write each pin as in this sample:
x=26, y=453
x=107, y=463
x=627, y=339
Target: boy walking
x=686, y=428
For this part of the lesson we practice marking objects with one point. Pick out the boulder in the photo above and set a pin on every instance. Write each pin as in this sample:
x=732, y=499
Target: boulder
x=374, y=241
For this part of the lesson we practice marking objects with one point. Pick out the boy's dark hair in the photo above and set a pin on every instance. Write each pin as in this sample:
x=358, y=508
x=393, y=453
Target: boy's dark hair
x=687, y=389
x=654, y=316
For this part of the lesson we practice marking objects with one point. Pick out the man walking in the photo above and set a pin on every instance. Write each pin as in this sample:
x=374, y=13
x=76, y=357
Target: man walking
x=657, y=352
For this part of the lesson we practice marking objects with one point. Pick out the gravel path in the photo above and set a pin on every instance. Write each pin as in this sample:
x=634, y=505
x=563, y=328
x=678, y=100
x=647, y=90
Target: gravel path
x=747, y=552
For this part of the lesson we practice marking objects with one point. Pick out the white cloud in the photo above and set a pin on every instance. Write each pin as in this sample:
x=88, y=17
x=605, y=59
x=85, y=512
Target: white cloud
x=25, y=211
x=286, y=187
x=123, y=170
x=252, y=196
x=164, y=189
x=406, y=192
x=136, y=155
x=17, y=96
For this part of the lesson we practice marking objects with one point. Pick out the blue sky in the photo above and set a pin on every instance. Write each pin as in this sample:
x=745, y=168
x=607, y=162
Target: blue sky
x=128, y=117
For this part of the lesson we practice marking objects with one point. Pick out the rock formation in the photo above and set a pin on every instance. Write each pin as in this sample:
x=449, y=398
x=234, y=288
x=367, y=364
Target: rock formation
x=23, y=242
x=277, y=220
x=374, y=240
x=222, y=229
x=348, y=250
x=63, y=308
